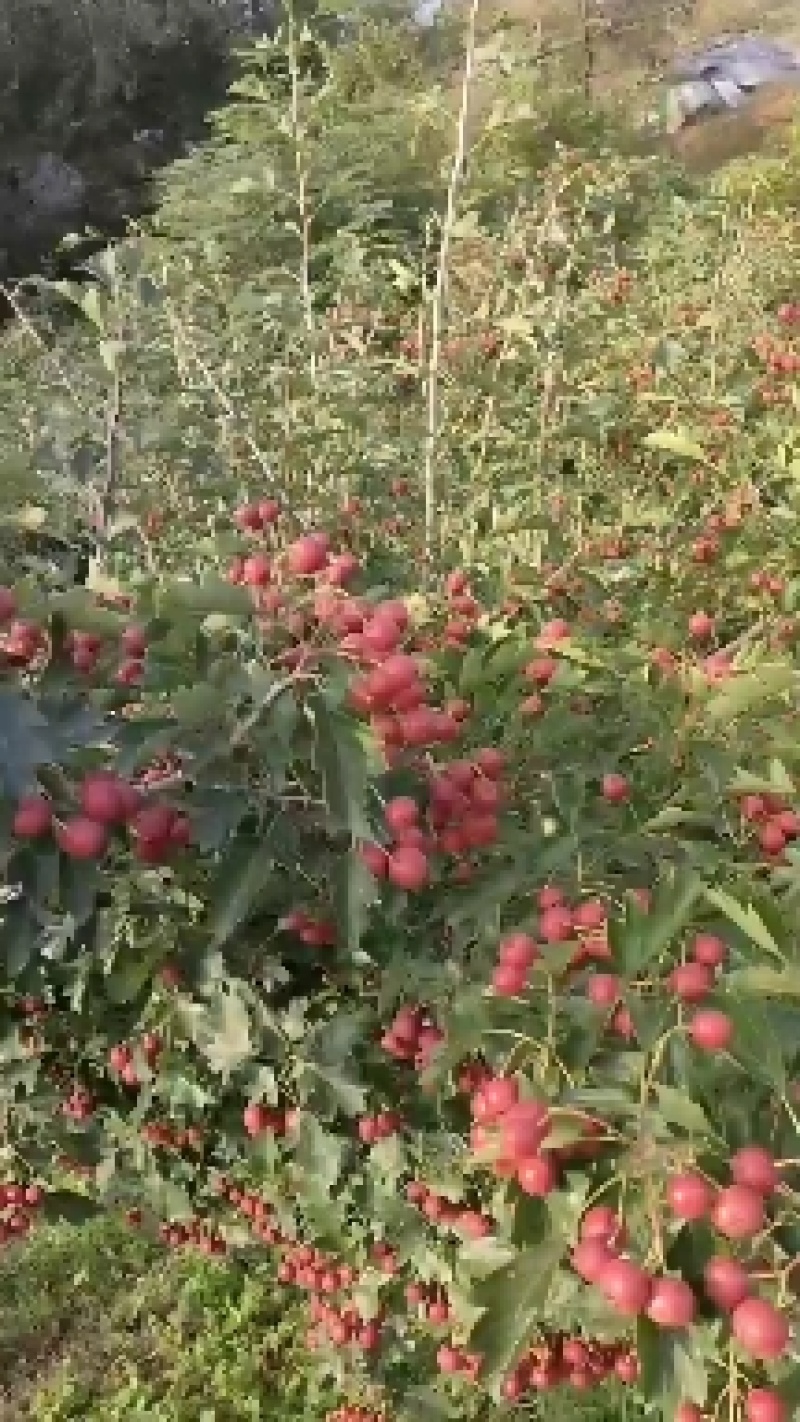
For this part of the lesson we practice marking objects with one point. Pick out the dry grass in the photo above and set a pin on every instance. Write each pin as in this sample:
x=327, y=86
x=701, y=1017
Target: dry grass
x=710, y=145
x=632, y=41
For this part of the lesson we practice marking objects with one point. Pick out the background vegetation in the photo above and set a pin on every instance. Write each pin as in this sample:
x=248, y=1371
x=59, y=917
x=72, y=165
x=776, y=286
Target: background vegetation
x=451, y=333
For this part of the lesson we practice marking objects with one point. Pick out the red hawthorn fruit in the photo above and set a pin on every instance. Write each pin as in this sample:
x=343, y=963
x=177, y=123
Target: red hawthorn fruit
x=691, y=982
x=627, y=1287
x=407, y=868
x=134, y=642
x=711, y=1031
x=760, y=1329
x=616, y=789
x=523, y=1127
x=103, y=798
x=82, y=838
x=518, y=951
x=701, y=627
x=763, y=1404
x=738, y=1212
x=755, y=1167
x=8, y=604
x=601, y=1222
x=672, y=1304
x=709, y=950
x=538, y=1175
x=33, y=817
x=589, y=1259
x=308, y=554
x=726, y=1282
x=690, y=1196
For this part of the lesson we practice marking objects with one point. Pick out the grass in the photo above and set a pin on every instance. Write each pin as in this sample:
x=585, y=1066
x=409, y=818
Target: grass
x=102, y=1324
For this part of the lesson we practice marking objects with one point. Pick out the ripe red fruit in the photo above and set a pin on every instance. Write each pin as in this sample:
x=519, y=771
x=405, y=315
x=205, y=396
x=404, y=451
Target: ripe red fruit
x=8, y=604
x=738, y=1212
x=257, y=1119
x=616, y=789
x=538, y=1175
x=726, y=1282
x=400, y=814
x=134, y=642
x=627, y=1287
x=491, y=762
x=153, y=823
x=257, y=570
x=590, y=1258
x=763, y=1404
x=602, y=1223
x=772, y=838
x=689, y=1412
x=604, y=989
x=701, y=626
x=269, y=511
x=308, y=555
x=710, y=1030
x=755, y=1167
x=103, y=798
x=691, y=982
x=672, y=1304
x=522, y=1130
x=709, y=950
x=760, y=1329
x=690, y=1196
x=33, y=817
x=82, y=838
x=376, y=859
x=518, y=950
x=626, y=1367
x=448, y=1359
x=499, y=1095
x=408, y=869
x=248, y=518
x=556, y=924
x=509, y=981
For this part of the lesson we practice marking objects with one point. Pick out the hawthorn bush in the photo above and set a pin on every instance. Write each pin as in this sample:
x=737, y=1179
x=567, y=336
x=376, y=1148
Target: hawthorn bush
x=399, y=827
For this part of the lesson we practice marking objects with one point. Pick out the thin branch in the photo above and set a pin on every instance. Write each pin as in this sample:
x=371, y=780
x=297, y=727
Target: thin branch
x=438, y=310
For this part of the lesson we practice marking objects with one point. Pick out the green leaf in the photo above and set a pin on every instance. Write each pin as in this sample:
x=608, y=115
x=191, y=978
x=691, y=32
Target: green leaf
x=319, y=1154
x=481, y=1257
x=641, y=937
x=746, y=692
x=80, y=608
x=676, y=444
x=755, y=1042
x=766, y=982
x=24, y=744
x=343, y=764
x=222, y=1031
x=198, y=706
x=747, y=918
x=19, y=938
x=130, y=971
x=424, y=1404
x=354, y=890
x=64, y=1207
x=472, y=671
x=673, y=1366
x=167, y=1199
x=242, y=881
x=331, y=1090
x=513, y=1300
x=677, y=1109
x=203, y=599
